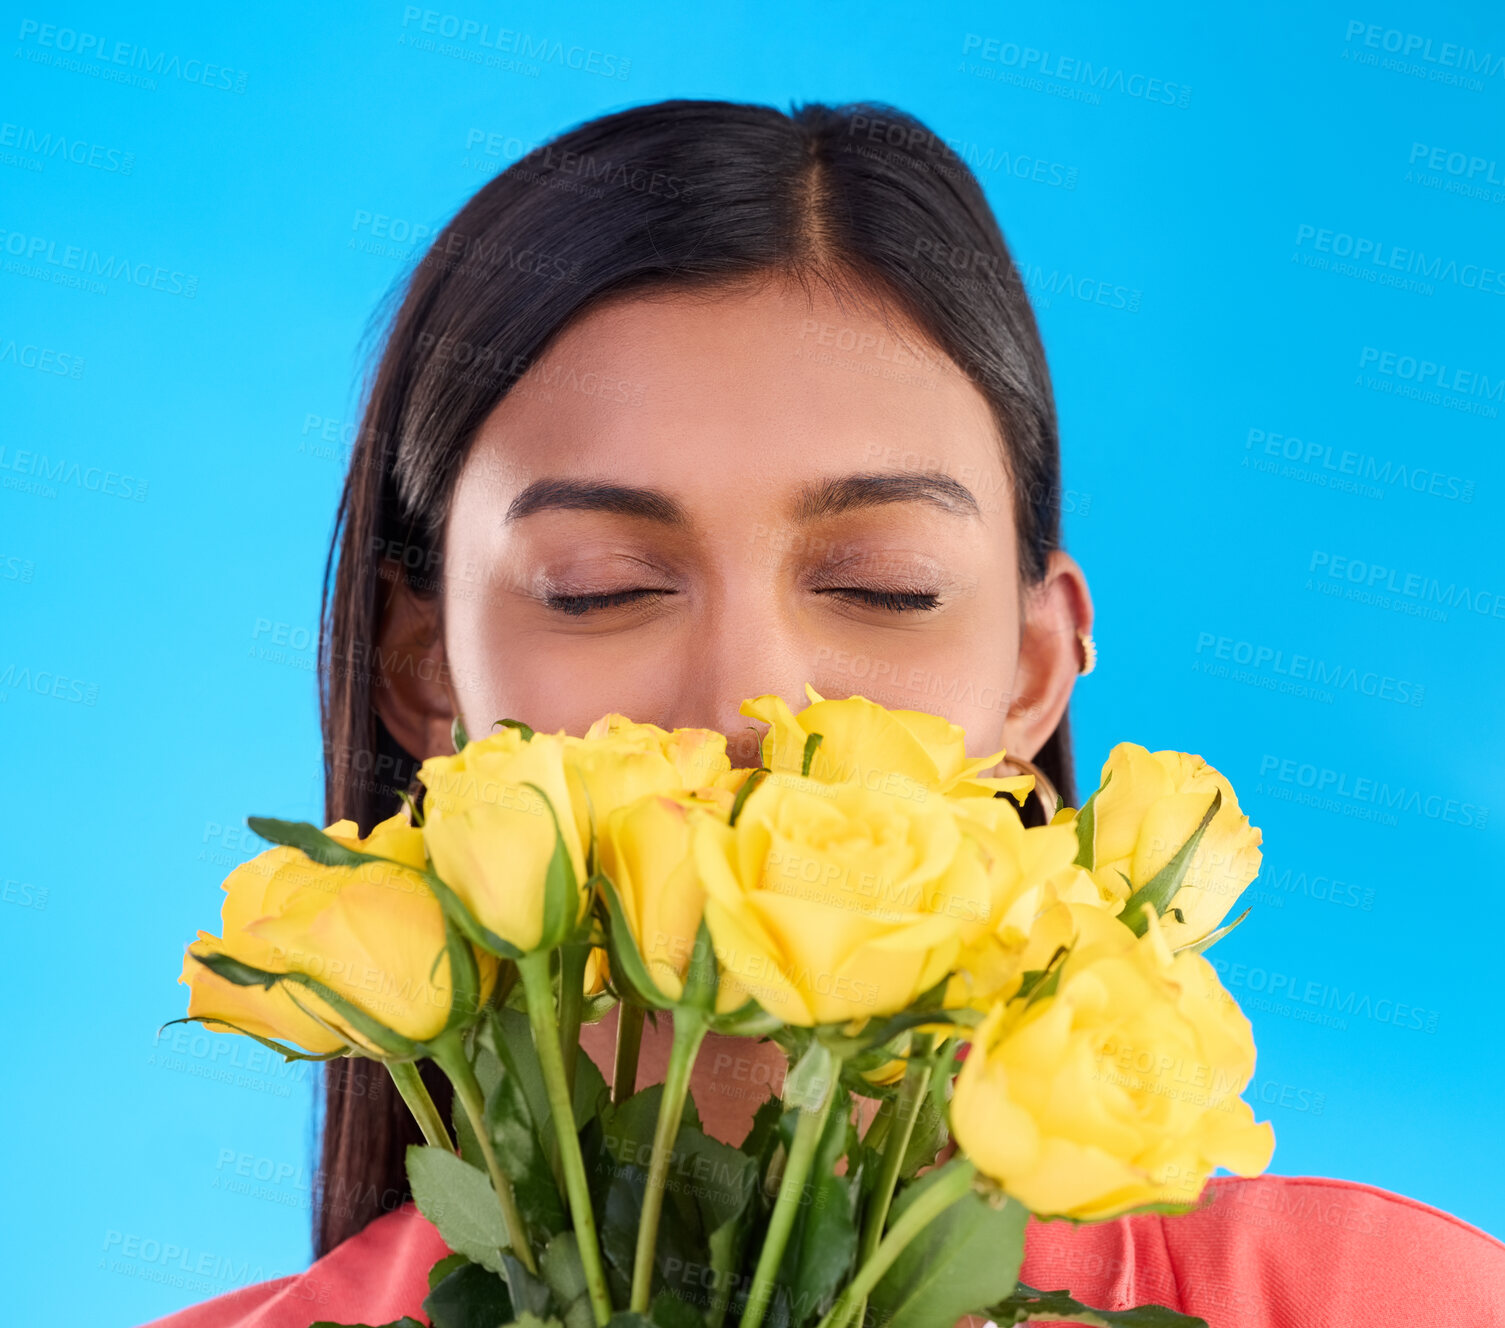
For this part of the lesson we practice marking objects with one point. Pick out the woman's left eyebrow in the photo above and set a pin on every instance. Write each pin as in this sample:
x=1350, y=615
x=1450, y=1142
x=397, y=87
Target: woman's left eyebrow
x=876, y=488
x=818, y=499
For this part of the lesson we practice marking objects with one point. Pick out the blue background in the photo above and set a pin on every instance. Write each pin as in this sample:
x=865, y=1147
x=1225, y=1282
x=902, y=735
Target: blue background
x=159, y=593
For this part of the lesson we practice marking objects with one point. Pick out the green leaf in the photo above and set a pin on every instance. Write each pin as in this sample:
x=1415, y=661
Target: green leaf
x=517, y=1117
x=467, y=1296
x=445, y=1267
x=530, y=1295
x=457, y=734
x=458, y=1199
x=404, y=1322
x=968, y=1256
x=1086, y=829
x=1027, y=1304
x=669, y=1311
x=590, y=1091
x=1160, y=889
x=515, y=724
x=812, y=741
x=565, y=1274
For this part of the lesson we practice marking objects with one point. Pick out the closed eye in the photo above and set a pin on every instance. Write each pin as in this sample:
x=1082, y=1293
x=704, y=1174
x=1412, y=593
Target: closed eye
x=895, y=601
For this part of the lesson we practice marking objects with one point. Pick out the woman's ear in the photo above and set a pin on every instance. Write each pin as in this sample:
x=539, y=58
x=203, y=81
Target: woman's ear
x=1050, y=655
x=409, y=689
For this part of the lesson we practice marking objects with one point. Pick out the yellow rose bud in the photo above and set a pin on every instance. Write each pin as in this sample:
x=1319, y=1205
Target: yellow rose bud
x=491, y=837
x=864, y=743
x=830, y=903
x=369, y=933
x=1121, y=1088
x=1149, y=808
x=597, y=971
x=645, y=852
x=619, y=761
x=1029, y=871
x=887, y=1074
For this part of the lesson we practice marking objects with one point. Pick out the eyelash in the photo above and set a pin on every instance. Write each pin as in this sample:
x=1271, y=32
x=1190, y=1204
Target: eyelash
x=896, y=601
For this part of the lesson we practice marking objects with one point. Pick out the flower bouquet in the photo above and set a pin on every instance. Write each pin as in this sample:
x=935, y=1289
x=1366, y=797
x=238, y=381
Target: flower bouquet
x=1001, y=1004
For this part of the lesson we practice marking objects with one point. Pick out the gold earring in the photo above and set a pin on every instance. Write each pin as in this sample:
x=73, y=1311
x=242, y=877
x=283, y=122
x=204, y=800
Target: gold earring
x=1050, y=800
x=1089, y=653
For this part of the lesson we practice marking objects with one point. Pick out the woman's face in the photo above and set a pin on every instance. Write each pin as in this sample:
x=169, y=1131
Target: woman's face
x=688, y=501
x=691, y=501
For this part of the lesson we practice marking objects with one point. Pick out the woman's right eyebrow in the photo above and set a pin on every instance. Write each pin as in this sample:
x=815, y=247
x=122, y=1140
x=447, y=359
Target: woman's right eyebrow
x=820, y=498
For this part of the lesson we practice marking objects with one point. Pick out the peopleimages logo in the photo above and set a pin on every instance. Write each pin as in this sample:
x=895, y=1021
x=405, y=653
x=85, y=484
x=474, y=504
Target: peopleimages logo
x=1325, y=782
x=1376, y=577
x=1414, y=45
x=1359, y=250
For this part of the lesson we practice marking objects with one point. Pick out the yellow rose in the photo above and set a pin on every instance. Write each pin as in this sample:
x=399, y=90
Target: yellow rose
x=597, y=971
x=370, y=934
x=645, y=852
x=1118, y=1090
x=829, y=903
x=1029, y=871
x=1149, y=806
x=865, y=743
x=491, y=838
x=619, y=761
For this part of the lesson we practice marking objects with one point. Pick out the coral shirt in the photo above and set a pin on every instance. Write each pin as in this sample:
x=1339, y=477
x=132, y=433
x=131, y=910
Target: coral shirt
x=1270, y=1252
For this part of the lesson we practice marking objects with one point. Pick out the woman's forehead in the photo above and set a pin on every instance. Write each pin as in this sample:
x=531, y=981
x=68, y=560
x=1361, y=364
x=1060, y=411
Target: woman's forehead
x=766, y=386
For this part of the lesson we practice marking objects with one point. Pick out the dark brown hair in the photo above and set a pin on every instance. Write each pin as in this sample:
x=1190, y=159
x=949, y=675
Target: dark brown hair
x=678, y=195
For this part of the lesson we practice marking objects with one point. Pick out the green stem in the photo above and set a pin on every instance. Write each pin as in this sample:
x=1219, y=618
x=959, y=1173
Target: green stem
x=807, y=1132
x=452, y=1060
x=416, y=1094
x=689, y=1030
x=571, y=1002
x=953, y=1184
x=901, y=1129
x=624, y=1072
x=535, y=971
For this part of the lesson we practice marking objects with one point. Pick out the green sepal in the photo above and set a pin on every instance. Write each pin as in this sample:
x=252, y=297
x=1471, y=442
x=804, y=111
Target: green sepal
x=1160, y=889
x=1196, y=947
x=812, y=741
x=702, y=977
x=456, y=912
x=244, y=975
x=515, y=724
x=748, y=1020
x=1038, y=983
x=809, y=1079
x=561, y=891
x=629, y=971
x=748, y=785
x=312, y=842
x=464, y=977
x=1086, y=829
x=288, y=1054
